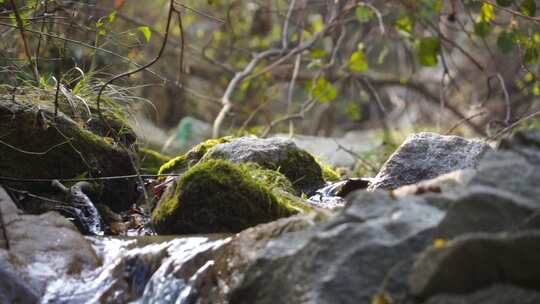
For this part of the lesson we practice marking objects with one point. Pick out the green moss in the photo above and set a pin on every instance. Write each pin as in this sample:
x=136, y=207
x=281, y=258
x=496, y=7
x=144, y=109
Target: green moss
x=220, y=196
x=60, y=148
x=151, y=161
x=328, y=173
x=182, y=163
x=302, y=170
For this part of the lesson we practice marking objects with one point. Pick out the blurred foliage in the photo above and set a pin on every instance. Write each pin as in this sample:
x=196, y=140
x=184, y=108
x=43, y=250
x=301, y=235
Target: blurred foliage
x=366, y=64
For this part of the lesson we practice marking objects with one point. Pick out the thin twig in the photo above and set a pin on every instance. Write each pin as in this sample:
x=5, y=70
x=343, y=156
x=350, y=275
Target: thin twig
x=20, y=25
x=32, y=152
x=128, y=73
x=459, y=123
x=69, y=180
x=515, y=124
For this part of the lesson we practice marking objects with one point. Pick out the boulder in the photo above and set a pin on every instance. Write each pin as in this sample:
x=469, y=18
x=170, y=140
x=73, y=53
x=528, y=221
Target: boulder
x=36, y=145
x=342, y=260
x=182, y=163
x=502, y=192
x=477, y=261
x=41, y=247
x=425, y=156
x=484, y=209
x=218, y=196
x=278, y=154
x=496, y=294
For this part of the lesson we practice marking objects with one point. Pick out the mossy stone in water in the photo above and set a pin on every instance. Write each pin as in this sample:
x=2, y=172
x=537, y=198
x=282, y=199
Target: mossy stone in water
x=217, y=196
x=277, y=154
x=181, y=163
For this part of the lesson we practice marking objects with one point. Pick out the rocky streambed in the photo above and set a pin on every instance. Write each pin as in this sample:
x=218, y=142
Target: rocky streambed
x=249, y=220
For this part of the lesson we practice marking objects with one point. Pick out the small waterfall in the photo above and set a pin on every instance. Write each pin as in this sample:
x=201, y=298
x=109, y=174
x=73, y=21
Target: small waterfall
x=143, y=270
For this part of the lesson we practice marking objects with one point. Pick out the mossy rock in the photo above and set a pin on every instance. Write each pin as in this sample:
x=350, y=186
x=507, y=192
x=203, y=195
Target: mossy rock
x=277, y=154
x=35, y=145
x=182, y=163
x=328, y=173
x=219, y=196
x=151, y=161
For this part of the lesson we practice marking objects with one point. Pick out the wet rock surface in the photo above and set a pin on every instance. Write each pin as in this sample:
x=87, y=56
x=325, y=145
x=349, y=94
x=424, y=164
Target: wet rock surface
x=425, y=156
x=469, y=236
x=41, y=247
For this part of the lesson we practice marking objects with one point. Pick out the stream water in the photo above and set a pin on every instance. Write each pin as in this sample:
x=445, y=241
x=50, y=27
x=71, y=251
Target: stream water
x=152, y=269
x=142, y=270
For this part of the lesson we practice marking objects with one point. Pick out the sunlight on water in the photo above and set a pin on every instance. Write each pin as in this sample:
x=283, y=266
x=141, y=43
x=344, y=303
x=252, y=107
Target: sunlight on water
x=143, y=270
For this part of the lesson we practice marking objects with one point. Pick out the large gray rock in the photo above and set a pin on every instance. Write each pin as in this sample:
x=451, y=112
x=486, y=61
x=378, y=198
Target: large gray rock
x=343, y=260
x=502, y=193
x=42, y=247
x=477, y=261
x=483, y=209
x=276, y=154
x=427, y=155
x=496, y=294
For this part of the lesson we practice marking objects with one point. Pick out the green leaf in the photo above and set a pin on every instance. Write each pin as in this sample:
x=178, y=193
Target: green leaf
x=531, y=54
x=364, y=14
x=504, y=3
x=353, y=111
x=404, y=24
x=322, y=90
x=482, y=28
x=358, y=62
x=145, y=30
x=505, y=42
x=487, y=14
x=318, y=53
x=528, y=7
x=428, y=50
x=112, y=17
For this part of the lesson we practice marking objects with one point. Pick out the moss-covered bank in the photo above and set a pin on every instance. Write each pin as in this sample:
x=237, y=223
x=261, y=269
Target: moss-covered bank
x=36, y=145
x=220, y=196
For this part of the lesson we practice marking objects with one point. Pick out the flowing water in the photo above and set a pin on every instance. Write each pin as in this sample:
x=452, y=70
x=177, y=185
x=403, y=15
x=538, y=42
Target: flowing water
x=152, y=269
x=142, y=270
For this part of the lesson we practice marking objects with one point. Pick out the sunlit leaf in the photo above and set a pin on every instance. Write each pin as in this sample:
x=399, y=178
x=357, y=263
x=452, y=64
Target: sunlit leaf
x=358, y=62
x=323, y=90
x=318, y=53
x=404, y=24
x=145, y=30
x=112, y=17
x=487, y=14
x=428, y=50
x=528, y=7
